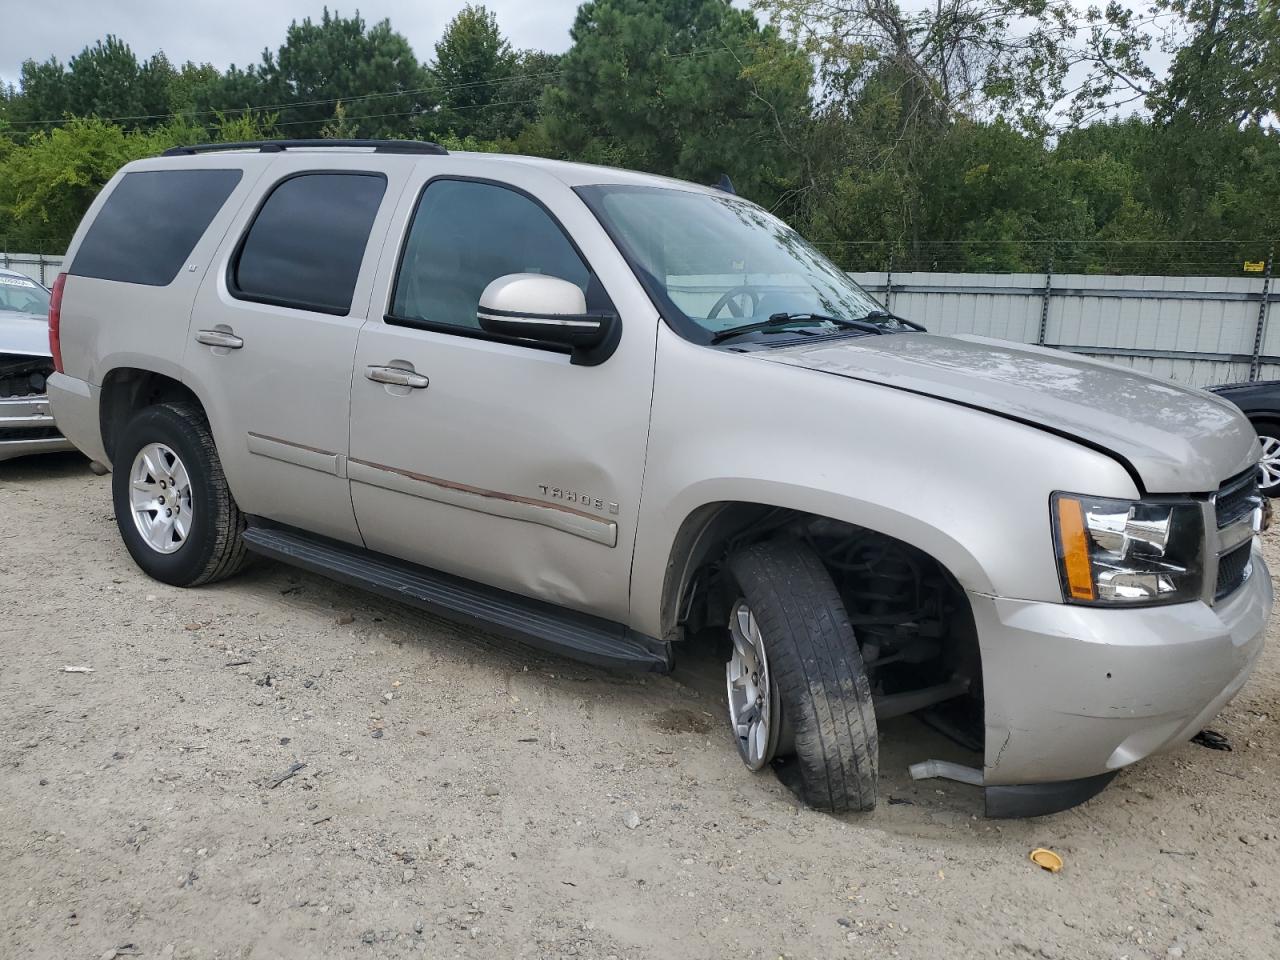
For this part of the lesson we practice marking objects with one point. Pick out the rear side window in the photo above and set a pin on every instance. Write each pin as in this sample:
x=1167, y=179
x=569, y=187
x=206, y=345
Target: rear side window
x=305, y=246
x=150, y=223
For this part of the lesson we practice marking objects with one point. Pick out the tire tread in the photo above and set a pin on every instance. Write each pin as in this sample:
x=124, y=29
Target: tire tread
x=227, y=553
x=815, y=661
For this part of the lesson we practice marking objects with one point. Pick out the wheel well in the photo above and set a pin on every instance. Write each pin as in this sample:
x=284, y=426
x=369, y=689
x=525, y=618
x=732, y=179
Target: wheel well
x=913, y=620
x=1270, y=420
x=125, y=391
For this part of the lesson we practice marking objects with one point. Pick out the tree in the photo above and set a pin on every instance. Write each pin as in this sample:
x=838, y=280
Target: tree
x=103, y=80
x=42, y=95
x=688, y=88
x=371, y=70
x=106, y=80
x=187, y=82
x=474, y=65
x=1226, y=66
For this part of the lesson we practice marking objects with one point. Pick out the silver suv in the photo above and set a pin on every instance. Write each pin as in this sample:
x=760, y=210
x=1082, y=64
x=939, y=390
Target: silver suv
x=604, y=413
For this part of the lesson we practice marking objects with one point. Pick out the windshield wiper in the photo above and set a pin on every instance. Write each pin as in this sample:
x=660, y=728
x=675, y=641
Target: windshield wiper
x=864, y=323
x=886, y=315
x=777, y=321
x=872, y=322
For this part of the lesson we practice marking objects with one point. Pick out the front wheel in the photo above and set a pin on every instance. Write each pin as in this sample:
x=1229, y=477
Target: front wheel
x=174, y=510
x=796, y=683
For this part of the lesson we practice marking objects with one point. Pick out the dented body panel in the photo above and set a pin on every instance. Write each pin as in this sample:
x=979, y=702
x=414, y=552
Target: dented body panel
x=1072, y=692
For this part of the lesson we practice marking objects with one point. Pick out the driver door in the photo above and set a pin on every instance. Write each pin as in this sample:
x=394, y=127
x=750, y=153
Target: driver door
x=492, y=460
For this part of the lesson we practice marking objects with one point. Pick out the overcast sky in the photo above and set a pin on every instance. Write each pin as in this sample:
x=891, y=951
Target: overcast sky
x=222, y=32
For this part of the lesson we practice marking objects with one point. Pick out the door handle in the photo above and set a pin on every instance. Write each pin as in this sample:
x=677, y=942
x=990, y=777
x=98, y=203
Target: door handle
x=397, y=376
x=219, y=338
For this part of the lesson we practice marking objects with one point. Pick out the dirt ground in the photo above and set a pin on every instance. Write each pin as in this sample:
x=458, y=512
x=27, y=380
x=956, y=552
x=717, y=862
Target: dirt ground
x=458, y=796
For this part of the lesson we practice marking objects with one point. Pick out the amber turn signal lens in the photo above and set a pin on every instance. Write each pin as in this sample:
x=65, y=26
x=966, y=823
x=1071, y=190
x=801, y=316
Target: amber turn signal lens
x=1075, y=548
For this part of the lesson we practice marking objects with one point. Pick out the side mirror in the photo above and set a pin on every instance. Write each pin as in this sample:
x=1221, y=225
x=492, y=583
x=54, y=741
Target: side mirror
x=550, y=311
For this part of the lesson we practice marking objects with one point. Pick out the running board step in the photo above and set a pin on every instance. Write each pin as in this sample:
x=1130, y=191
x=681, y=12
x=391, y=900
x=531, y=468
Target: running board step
x=535, y=622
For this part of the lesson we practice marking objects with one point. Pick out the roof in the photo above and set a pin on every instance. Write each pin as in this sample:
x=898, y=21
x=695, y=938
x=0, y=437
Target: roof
x=582, y=174
x=570, y=173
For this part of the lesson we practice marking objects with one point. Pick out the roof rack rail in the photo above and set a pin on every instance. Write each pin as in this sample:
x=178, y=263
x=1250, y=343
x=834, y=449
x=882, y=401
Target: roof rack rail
x=278, y=146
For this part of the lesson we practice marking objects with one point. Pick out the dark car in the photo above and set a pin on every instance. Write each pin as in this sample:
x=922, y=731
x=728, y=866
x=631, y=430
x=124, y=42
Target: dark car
x=1260, y=402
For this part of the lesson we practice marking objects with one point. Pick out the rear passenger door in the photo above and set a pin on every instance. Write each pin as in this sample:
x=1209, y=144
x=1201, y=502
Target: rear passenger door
x=274, y=330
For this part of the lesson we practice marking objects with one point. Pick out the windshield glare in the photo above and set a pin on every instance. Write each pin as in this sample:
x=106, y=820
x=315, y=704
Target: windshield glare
x=20, y=295
x=723, y=262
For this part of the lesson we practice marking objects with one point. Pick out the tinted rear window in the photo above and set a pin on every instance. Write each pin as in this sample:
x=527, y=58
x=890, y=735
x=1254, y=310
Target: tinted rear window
x=150, y=224
x=305, y=245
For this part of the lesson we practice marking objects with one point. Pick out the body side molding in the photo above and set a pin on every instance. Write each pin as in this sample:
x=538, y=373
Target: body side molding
x=569, y=520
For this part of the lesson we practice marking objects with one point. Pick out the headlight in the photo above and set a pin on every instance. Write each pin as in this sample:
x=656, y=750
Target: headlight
x=1128, y=551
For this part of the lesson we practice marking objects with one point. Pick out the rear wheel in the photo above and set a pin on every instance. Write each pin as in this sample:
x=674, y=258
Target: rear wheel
x=795, y=679
x=174, y=510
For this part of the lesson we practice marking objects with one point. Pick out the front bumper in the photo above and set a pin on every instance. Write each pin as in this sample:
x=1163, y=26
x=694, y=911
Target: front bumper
x=27, y=427
x=1076, y=693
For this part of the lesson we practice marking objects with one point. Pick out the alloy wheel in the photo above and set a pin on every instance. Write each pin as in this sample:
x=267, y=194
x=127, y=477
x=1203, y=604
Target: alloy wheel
x=160, y=495
x=753, y=713
x=1270, y=464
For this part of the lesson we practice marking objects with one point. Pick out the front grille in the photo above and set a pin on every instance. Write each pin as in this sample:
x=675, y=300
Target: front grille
x=1235, y=507
x=23, y=376
x=1234, y=569
x=1237, y=498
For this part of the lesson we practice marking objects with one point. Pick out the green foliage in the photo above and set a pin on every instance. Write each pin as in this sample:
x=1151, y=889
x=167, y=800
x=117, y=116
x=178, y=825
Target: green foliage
x=47, y=184
x=941, y=136
x=687, y=88
x=1228, y=71
x=185, y=84
x=372, y=70
x=473, y=65
x=105, y=80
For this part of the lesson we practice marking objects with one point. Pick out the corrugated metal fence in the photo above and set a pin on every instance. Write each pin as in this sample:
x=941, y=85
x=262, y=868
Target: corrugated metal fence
x=1196, y=330
x=37, y=266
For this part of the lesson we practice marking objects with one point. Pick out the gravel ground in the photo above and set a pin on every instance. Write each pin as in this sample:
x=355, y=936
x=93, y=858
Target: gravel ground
x=455, y=796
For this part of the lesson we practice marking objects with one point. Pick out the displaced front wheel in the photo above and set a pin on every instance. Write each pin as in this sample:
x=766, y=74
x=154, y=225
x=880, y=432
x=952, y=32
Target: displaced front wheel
x=796, y=683
x=175, y=512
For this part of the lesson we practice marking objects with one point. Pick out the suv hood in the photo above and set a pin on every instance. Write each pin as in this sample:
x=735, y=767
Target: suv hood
x=1177, y=439
x=26, y=334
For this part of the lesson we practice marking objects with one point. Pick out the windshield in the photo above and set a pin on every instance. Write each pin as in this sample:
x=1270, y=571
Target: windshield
x=723, y=262
x=20, y=295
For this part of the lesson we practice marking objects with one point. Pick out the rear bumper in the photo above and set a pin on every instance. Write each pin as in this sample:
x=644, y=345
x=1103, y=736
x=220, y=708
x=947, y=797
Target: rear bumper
x=1076, y=693
x=74, y=403
x=27, y=427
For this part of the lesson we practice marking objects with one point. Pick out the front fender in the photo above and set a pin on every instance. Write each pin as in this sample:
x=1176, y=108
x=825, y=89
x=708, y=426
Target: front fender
x=969, y=488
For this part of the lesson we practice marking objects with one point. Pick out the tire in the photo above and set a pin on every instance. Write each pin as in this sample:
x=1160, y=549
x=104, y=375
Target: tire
x=815, y=667
x=212, y=547
x=1269, y=430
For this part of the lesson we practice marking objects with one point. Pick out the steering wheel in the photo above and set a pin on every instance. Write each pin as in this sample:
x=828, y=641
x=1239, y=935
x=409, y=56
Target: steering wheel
x=732, y=294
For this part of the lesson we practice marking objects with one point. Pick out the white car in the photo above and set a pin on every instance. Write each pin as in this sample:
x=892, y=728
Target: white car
x=26, y=425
